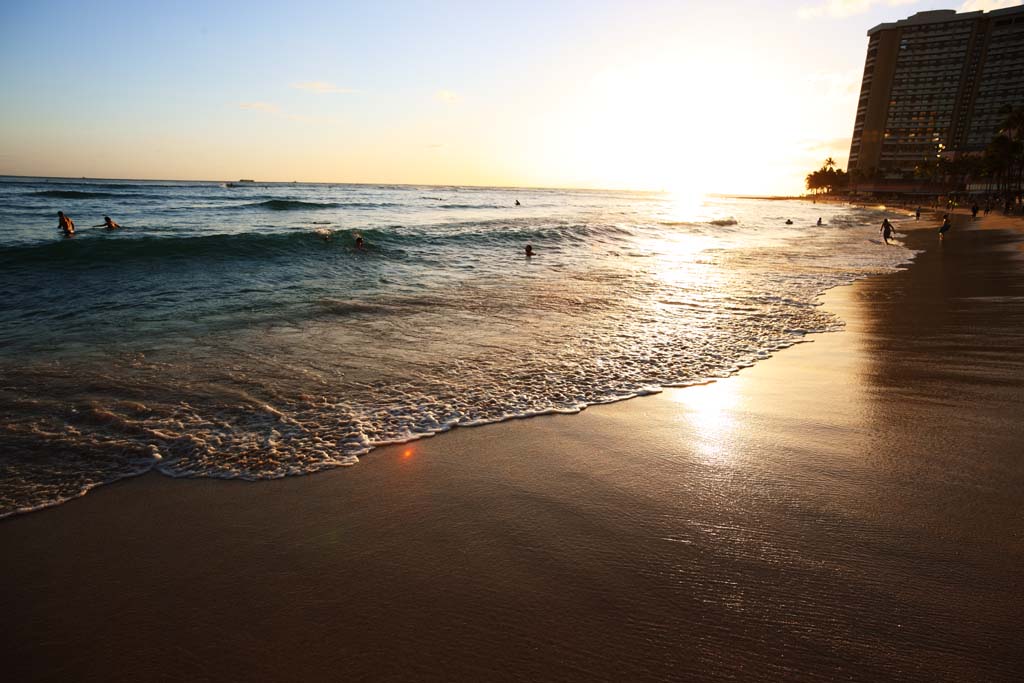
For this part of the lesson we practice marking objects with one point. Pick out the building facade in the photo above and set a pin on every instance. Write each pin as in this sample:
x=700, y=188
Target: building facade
x=934, y=86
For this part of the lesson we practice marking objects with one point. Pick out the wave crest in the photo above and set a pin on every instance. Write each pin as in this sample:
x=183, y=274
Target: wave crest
x=72, y=194
x=291, y=205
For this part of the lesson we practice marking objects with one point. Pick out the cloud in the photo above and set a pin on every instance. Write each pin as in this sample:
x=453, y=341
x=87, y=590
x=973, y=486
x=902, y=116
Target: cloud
x=314, y=120
x=836, y=84
x=321, y=88
x=827, y=147
x=849, y=8
x=276, y=112
x=845, y=8
x=446, y=96
x=260, y=106
x=987, y=5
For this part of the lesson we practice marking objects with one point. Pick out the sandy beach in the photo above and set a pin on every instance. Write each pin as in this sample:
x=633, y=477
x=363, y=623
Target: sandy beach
x=849, y=509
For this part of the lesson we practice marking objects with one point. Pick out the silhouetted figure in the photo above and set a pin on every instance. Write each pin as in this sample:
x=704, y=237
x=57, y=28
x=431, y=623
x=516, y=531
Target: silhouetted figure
x=917, y=214
x=944, y=228
x=529, y=251
x=819, y=220
x=360, y=245
x=517, y=203
x=66, y=224
x=789, y=222
x=886, y=230
x=974, y=210
x=108, y=224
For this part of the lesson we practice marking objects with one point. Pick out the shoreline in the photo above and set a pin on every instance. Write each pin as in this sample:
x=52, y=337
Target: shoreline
x=743, y=528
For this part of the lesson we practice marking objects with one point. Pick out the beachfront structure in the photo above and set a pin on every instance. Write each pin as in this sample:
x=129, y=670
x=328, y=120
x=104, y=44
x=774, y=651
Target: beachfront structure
x=934, y=86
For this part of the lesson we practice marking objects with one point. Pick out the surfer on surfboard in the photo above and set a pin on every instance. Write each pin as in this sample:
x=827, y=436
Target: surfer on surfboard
x=107, y=223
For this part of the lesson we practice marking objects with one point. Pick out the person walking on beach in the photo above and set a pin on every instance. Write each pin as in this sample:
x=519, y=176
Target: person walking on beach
x=917, y=214
x=66, y=224
x=944, y=228
x=108, y=224
x=886, y=230
x=974, y=210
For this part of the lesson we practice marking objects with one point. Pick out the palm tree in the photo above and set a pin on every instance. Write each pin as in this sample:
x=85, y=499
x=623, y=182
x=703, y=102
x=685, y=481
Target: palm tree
x=999, y=156
x=1015, y=124
x=1009, y=148
x=830, y=163
x=814, y=181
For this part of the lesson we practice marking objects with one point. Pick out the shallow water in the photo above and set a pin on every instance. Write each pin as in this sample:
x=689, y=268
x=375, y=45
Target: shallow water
x=236, y=331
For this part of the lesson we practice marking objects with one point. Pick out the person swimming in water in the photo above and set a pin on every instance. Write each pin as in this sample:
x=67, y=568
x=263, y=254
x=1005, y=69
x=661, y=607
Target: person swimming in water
x=789, y=222
x=108, y=224
x=66, y=224
x=886, y=230
x=529, y=251
x=360, y=245
x=517, y=203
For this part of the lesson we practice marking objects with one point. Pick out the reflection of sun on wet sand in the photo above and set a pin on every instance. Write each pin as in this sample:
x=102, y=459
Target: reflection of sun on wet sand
x=847, y=509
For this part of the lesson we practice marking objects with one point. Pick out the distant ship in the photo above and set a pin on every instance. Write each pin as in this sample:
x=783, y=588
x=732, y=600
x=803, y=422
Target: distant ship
x=239, y=183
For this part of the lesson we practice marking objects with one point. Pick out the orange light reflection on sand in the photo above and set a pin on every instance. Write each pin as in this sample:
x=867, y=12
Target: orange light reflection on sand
x=710, y=409
x=407, y=453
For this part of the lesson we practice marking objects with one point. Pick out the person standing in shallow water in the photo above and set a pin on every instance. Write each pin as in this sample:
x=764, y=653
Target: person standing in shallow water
x=66, y=224
x=944, y=228
x=886, y=230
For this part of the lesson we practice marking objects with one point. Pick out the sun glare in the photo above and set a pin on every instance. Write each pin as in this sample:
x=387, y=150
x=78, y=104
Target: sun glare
x=672, y=119
x=685, y=204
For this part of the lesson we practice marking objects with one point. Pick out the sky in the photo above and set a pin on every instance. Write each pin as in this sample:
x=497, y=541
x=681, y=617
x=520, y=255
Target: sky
x=730, y=96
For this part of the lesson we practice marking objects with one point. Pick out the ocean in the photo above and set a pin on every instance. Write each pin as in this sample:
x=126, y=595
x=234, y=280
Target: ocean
x=234, y=330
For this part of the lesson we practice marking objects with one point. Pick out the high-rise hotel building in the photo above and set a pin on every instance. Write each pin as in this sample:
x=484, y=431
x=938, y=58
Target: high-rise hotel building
x=934, y=84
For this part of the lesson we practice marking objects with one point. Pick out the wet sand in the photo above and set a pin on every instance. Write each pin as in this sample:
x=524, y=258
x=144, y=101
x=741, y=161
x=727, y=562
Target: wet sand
x=849, y=509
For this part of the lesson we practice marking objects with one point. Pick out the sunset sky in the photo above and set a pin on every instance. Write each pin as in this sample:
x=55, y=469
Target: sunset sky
x=730, y=96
